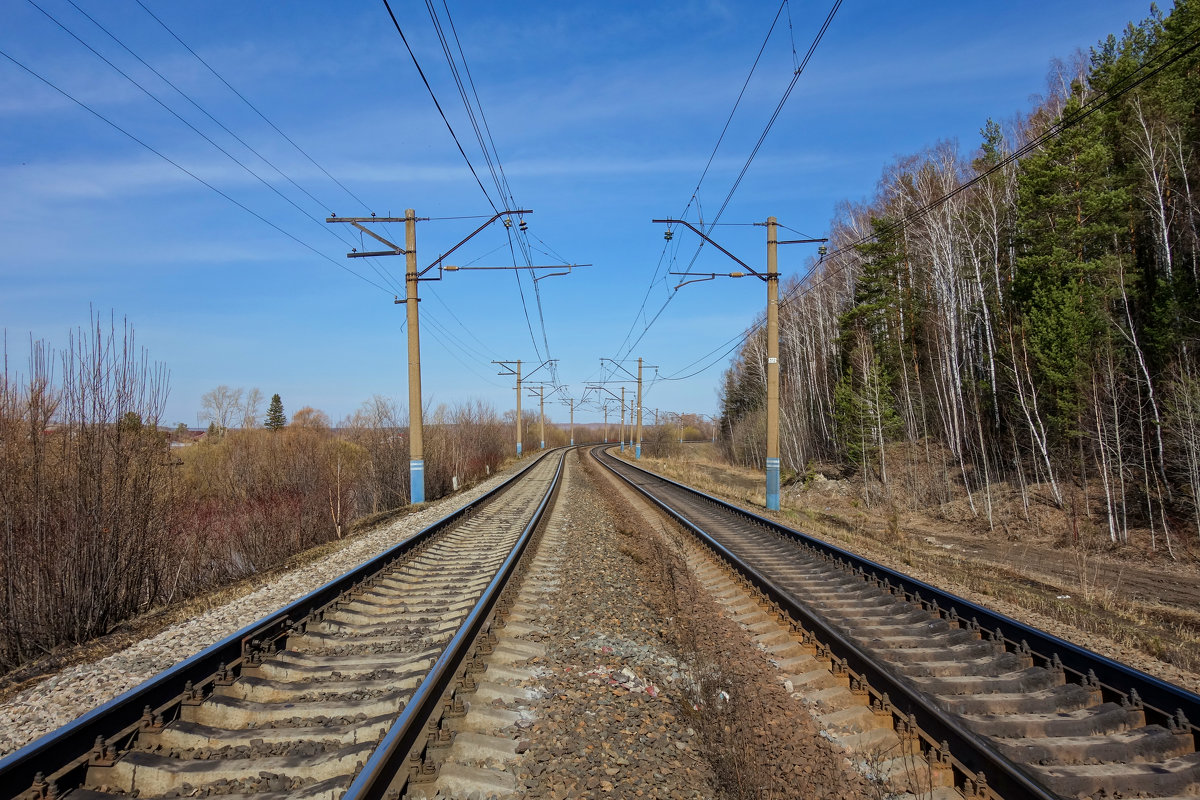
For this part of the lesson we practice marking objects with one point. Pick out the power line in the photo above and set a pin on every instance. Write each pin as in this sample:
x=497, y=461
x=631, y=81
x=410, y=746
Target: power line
x=487, y=145
x=191, y=100
x=478, y=121
x=805, y=286
x=1098, y=102
x=745, y=167
x=384, y=275
x=179, y=117
x=253, y=107
x=703, y=174
x=433, y=96
x=186, y=171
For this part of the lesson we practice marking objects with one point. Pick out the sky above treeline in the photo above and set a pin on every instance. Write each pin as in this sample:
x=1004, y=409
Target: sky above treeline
x=197, y=211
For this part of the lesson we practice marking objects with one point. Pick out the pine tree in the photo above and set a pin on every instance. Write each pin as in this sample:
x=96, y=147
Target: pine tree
x=1071, y=209
x=275, y=416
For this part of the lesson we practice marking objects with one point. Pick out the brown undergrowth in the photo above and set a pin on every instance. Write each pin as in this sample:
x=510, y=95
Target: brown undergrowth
x=153, y=622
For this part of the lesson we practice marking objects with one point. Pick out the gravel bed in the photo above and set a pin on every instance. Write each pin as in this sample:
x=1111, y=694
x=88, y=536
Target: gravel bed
x=608, y=723
x=649, y=690
x=68, y=694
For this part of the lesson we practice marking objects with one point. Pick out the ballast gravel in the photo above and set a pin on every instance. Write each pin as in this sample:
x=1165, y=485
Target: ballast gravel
x=648, y=690
x=67, y=695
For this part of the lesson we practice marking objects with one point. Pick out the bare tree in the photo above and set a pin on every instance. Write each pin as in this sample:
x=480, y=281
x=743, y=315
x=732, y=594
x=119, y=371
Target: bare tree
x=221, y=405
x=250, y=408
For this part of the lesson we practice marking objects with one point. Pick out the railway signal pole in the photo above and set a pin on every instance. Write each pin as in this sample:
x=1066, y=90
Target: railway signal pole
x=772, y=280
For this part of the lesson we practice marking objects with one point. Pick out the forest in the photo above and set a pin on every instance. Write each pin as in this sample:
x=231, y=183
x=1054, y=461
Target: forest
x=1013, y=330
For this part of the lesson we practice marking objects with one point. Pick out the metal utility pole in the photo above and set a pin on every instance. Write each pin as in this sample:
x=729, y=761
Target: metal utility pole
x=622, y=419
x=621, y=399
x=416, y=433
x=772, y=365
x=412, y=277
x=772, y=280
x=518, y=374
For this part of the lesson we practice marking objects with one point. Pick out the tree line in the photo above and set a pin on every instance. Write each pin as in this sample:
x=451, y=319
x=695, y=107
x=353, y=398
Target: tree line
x=101, y=518
x=1030, y=342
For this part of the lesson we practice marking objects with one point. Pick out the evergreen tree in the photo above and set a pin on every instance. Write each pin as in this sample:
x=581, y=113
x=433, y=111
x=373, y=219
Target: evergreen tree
x=275, y=416
x=1071, y=210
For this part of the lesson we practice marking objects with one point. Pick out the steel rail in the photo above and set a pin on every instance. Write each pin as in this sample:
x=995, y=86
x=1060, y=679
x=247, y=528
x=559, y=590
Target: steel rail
x=69, y=745
x=1004, y=778
x=388, y=759
x=1160, y=699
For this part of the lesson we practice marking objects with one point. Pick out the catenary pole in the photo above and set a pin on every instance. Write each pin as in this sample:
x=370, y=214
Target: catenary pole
x=622, y=419
x=772, y=365
x=416, y=448
x=637, y=452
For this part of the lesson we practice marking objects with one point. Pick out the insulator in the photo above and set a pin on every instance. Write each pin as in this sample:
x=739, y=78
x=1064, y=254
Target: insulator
x=524, y=226
x=508, y=222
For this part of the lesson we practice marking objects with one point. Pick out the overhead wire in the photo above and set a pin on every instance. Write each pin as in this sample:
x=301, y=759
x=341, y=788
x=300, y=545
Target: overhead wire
x=487, y=144
x=627, y=346
x=805, y=285
x=442, y=113
x=695, y=192
x=379, y=270
x=437, y=326
x=1098, y=102
x=183, y=169
x=252, y=107
x=477, y=119
x=186, y=122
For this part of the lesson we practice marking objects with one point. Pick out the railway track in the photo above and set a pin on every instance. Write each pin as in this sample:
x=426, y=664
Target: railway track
x=985, y=703
x=328, y=698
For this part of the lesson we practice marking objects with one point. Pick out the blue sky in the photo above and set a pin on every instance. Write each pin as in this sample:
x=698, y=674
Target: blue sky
x=603, y=115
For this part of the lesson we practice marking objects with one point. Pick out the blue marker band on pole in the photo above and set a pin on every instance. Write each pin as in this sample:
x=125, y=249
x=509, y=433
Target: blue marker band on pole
x=518, y=449
x=637, y=450
x=772, y=484
x=416, y=472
